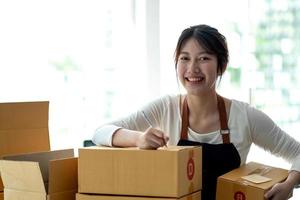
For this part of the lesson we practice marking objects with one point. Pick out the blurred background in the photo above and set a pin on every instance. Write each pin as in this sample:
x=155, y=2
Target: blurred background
x=98, y=60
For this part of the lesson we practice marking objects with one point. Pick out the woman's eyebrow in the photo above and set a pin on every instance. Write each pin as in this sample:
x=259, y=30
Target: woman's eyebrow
x=200, y=53
x=183, y=52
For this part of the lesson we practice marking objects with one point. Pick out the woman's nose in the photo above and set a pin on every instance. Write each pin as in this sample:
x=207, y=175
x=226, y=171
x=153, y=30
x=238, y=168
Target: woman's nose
x=194, y=67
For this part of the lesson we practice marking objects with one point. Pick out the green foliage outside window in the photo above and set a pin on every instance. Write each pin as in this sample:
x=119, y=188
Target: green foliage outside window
x=277, y=52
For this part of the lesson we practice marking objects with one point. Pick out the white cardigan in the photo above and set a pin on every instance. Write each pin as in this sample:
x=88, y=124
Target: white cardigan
x=247, y=125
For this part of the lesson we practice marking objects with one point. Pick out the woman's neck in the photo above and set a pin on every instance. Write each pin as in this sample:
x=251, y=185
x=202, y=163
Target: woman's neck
x=202, y=106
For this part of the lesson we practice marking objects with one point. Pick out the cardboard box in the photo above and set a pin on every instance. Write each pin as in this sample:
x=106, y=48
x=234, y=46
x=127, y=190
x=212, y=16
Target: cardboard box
x=232, y=186
x=193, y=196
x=40, y=176
x=23, y=128
x=1, y=196
x=166, y=172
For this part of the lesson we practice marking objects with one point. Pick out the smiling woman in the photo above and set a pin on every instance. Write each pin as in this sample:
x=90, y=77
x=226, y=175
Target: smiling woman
x=200, y=64
x=196, y=68
x=225, y=128
x=89, y=58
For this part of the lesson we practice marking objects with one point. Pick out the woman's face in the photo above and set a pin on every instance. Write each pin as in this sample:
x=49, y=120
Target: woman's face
x=196, y=68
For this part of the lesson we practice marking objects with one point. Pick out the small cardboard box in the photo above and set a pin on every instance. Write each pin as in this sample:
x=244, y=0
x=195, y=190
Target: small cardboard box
x=166, y=172
x=23, y=128
x=193, y=196
x=40, y=176
x=250, y=181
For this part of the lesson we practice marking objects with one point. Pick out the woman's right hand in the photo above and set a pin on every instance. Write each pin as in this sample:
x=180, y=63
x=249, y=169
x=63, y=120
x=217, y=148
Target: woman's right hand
x=152, y=139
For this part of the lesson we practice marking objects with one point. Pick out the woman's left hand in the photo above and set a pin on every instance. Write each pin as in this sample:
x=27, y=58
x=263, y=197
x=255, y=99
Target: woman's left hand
x=280, y=191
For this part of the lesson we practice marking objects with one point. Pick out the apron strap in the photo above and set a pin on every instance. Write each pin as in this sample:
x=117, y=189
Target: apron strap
x=185, y=120
x=222, y=116
x=223, y=120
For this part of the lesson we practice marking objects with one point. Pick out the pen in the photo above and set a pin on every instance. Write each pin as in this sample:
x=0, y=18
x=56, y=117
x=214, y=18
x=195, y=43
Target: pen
x=149, y=123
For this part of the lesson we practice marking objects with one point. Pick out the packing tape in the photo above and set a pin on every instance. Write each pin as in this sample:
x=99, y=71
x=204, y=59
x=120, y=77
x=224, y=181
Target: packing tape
x=261, y=171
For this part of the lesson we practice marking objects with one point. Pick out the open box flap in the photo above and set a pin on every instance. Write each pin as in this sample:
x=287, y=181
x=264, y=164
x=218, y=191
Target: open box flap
x=23, y=195
x=24, y=115
x=24, y=127
x=22, y=176
x=63, y=175
x=42, y=158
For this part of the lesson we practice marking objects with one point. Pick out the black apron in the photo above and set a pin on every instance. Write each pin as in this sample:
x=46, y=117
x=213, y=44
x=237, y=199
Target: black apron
x=217, y=159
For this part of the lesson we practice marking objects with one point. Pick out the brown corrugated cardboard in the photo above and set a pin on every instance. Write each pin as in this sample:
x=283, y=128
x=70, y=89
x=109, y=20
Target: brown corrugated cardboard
x=23, y=128
x=232, y=186
x=1, y=196
x=1, y=184
x=166, y=172
x=193, y=196
x=40, y=176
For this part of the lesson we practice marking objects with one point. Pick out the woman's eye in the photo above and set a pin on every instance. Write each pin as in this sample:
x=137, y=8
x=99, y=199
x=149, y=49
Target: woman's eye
x=184, y=58
x=203, y=58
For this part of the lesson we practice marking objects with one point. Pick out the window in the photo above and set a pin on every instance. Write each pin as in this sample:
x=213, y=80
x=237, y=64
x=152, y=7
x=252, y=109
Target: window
x=86, y=57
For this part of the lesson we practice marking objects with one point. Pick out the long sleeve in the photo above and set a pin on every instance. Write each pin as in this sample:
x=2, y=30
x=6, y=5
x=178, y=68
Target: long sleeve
x=266, y=134
x=247, y=125
x=154, y=111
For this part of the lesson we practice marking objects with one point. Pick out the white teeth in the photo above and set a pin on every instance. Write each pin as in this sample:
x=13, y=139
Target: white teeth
x=195, y=79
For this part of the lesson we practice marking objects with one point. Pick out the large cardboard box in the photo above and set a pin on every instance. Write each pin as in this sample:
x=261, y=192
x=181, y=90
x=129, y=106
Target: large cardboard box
x=250, y=181
x=40, y=176
x=193, y=196
x=166, y=172
x=23, y=128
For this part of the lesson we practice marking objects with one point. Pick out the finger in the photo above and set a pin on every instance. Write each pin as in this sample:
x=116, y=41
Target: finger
x=148, y=144
x=268, y=195
x=152, y=145
x=159, y=141
x=166, y=138
x=158, y=133
x=154, y=140
x=157, y=136
x=271, y=192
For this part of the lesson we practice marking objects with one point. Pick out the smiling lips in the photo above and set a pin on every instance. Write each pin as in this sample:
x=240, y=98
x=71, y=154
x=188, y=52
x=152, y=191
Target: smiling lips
x=194, y=79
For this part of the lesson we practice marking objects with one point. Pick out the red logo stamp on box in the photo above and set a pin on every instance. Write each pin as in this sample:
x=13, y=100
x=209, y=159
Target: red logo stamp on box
x=239, y=196
x=190, y=168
